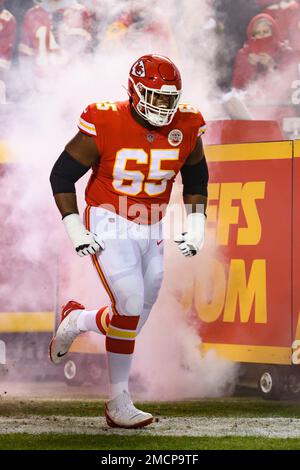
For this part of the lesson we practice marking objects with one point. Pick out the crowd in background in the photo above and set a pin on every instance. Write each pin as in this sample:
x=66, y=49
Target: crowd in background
x=256, y=42
x=43, y=36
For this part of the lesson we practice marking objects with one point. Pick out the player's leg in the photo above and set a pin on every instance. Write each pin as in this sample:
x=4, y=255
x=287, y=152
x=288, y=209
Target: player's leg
x=120, y=261
x=126, y=289
x=124, y=283
x=74, y=321
x=119, y=267
x=94, y=320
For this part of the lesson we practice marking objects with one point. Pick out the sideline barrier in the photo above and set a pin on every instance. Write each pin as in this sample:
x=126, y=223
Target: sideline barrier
x=253, y=312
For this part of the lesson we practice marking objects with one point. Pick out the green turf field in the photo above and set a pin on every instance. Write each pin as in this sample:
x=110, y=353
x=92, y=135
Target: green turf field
x=214, y=407
x=28, y=413
x=100, y=442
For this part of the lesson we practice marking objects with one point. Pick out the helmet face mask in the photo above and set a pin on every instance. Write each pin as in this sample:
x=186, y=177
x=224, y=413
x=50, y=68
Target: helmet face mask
x=158, y=107
x=155, y=89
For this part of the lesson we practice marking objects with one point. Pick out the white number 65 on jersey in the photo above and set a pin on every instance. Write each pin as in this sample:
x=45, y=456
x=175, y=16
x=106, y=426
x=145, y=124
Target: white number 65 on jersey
x=131, y=182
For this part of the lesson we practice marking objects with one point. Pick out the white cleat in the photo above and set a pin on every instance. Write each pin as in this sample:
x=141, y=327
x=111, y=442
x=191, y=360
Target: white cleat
x=66, y=332
x=121, y=413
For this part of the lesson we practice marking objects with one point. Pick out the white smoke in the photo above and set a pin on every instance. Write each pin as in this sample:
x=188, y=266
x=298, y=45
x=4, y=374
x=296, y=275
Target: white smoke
x=168, y=358
x=168, y=362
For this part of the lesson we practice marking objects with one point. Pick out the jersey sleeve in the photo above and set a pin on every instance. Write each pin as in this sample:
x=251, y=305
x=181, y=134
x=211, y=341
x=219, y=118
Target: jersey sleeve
x=195, y=123
x=86, y=124
x=200, y=125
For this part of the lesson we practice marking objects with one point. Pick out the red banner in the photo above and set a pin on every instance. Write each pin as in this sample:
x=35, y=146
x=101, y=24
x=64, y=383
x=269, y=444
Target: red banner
x=249, y=314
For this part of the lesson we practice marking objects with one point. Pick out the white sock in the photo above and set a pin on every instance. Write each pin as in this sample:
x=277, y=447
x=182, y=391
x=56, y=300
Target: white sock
x=118, y=368
x=87, y=321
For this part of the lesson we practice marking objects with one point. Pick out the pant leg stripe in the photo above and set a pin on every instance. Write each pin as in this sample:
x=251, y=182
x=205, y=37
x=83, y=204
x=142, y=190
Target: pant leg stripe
x=121, y=334
x=98, y=267
x=102, y=320
x=119, y=346
x=125, y=322
x=105, y=319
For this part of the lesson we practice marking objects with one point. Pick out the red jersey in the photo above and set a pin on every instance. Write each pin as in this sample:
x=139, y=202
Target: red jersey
x=38, y=37
x=7, y=39
x=136, y=162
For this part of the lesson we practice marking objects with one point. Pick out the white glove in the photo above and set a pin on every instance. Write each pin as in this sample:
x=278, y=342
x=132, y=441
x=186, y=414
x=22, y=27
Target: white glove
x=190, y=242
x=85, y=242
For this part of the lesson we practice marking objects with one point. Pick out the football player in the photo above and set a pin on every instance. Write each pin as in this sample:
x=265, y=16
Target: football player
x=51, y=29
x=135, y=149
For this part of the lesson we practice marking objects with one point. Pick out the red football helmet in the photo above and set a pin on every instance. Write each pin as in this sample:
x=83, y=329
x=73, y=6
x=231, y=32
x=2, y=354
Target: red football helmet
x=154, y=87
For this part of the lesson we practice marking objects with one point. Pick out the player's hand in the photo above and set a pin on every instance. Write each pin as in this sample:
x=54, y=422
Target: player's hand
x=84, y=242
x=190, y=242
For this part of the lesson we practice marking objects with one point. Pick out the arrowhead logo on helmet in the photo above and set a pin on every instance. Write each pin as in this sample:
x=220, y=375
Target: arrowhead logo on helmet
x=138, y=70
x=154, y=88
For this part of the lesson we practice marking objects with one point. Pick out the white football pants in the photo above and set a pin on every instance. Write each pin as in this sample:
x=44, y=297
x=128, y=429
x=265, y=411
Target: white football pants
x=131, y=266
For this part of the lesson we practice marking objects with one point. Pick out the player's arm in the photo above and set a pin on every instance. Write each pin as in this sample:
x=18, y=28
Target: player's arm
x=194, y=175
x=79, y=155
x=195, y=180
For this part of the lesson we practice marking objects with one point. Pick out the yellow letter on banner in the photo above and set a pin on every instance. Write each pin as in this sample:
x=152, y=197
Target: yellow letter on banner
x=241, y=294
x=210, y=292
x=251, y=234
x=228, y=214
